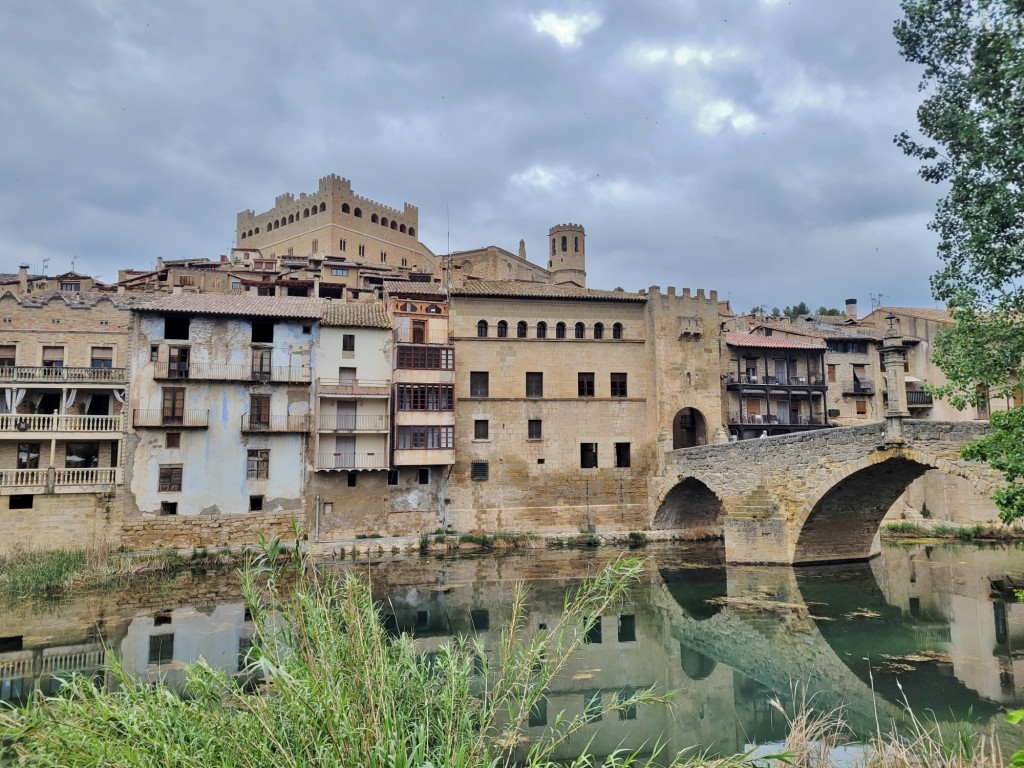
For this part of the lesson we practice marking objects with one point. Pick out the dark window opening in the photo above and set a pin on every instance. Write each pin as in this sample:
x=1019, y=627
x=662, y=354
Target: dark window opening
x=593, y=631
x=479, y=384
x=161, y=648
x=262, y=332
x=580, y=330
x=20, y=501
x=176, y=327
x=560, y=331
x=255, y=503
x=480, y=429
x=161, y=619
x=481, y=619
x=172, y=440
x=622, y=454
x=392, y=477
x=533, y=429
x=598, y=330
x=12, y=643
x=618, y=385
x=481, y=329
x=588, y=455
x=535, y=384
x=627, y=628
x=539, y=713
x=521, y=329
x=585, y=384
x=479, y=470
x=348, y=342
x=424, y=476
x=352, y=479
x=502, y=329
x=168, y=507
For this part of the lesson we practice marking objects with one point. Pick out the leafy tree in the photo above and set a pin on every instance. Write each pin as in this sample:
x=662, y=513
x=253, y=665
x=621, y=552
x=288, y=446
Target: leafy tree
x=830, y=311
x=796, y=310
x=972, y=143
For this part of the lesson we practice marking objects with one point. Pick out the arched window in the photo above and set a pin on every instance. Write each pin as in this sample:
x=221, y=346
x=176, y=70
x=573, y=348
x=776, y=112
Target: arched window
x=243, y=235
x=481, y=329
x=257, y=230
x=576, y=244
x=560, y=331
x=565, y=244
x=291, y=218
x=375, y=219
x=383, y=221
x=323, y=207
x=273, y=225
x=345, y=208
x=402, y=229
x=433, y=309
x=305, y=214
x=617, y=331
x=598, y=330
x=581, y=329
x=394, y=225
x=542, y=330
x=412, y=231
x=358, y=213
x=521, y=329
x=502, y=329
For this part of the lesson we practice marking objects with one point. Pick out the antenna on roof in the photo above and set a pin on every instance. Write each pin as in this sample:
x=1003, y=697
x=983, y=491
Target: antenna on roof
x=876, y=300
x=46, y=265
x=73, y=257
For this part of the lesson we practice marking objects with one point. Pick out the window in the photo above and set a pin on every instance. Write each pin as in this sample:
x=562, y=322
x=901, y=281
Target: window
x=480, y=429
x=481, y=329
x=53, y=357
x=8, y=353
x=348, y=342
x=534, y=384
x=588, y=455
x=256, y=503
x=862, y=407
x=161, y=648
x=533, y=429
x=560, y=331
x=352, y=479
x=71, y=286
x=257, y=465
x=480, y=618
x=170, y=478
x=424, y=437
x=341, y=247
x=539, y=713
x=172, y=440
x=580, y=330
x=261, y=359
x=20, y=501
x=598, y=330
x=81, y=455
x=617, y=331
x=154, y=353
x=585, y=384
x=479, y=470
x=315, y=246
x=479, y=384
x=626, y=713
x=168, y=507
x=424, y=357
x=593, y=632
x=28, y=455
x=362, y=248
x=502, y=329
x=102, y=357
x=259, y=411
x=424, y=476
x=262, y=332
x=173, y=408
x=521, y=329
x=177, y=362
x=622, y=454
x=176, y=327
x=618, y=385
x=542, y=330
x=424, y=397
x=393, y=477
x=627, y=628
x=831, y=372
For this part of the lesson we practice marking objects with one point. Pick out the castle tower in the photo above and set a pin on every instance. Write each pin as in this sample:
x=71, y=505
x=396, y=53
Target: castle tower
x=567, y=259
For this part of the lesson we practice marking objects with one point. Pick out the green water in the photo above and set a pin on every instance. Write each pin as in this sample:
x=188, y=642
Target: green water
x=936, y=626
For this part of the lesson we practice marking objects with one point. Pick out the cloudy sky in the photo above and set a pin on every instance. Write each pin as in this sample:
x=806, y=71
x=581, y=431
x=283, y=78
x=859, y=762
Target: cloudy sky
x=738, y=145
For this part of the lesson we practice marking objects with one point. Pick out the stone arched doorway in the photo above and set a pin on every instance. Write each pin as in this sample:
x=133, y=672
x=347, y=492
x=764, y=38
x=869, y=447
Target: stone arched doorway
x=693, y=507
x=689, y=428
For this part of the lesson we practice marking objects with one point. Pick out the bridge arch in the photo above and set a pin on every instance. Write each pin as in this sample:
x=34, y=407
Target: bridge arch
x=689, y=429
x=690, y=507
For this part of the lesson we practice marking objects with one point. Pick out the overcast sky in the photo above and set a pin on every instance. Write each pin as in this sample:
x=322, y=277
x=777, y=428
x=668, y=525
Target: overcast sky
x=738, y=145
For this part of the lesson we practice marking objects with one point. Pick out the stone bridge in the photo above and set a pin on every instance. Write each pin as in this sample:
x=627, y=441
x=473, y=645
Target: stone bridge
x=813, y=497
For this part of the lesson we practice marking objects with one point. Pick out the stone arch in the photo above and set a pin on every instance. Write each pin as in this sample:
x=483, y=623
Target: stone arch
x=394, y=225
x=560, y=330
x=291, y=218
x=542, y=330
x=598, y=330
x=691, y=506
x=695, y=664
x=401, y=228
x=502, y=329
x=345, y=208
x=305, y=213
x=374, y=218
x=358, y=213
x=384, y=221
x=412, y=231
x=617, y=331
x=323, y=207
x=689, y=429
x=521, y=329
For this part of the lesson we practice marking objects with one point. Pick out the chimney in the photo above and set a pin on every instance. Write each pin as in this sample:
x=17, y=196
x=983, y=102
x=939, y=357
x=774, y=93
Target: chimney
x=23, y=279
x=851, y=309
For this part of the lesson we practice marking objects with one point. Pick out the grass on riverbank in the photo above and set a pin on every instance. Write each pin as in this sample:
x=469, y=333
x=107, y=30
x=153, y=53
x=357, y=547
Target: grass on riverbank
x=42, y=574
x=911, y=530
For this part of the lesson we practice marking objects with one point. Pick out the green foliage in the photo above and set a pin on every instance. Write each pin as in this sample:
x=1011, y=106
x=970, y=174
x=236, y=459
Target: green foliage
x=39, y=574
x=831, y=311
x=905, y=528
x=1004, y=451
x=1016, y=717
x=637, y=539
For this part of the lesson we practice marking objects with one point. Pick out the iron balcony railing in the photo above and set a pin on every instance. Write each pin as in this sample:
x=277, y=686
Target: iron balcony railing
x=915, y=397
x=298, y=374
x=775, y=381
x=349, y=423
x=61, y=477
x=354, y=387
x=59, y=374
x=759, y=418
x=412, y=336
x=190, y=417
x=342, y=460
x=54, y=422
x=275, y=423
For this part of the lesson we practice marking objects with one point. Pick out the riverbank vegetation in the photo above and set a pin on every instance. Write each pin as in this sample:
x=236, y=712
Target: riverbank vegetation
x=42, y=574
x=906, y=529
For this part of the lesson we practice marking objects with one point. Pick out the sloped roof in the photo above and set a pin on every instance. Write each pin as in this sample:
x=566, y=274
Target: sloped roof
x=769, y=342
x=356, y=314
x=528, y=290
x=924, y=313
x=287, y=307
x=76, y=299
x=413, y=287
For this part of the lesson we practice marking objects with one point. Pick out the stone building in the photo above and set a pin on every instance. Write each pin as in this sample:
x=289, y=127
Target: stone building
x=23, y=283
x=334, y=222
x=63, y=369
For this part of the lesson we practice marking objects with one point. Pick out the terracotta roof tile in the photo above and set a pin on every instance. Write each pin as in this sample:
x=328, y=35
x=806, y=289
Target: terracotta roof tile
x=768, y=342
x=358, y=314
x=528, y=290
x=924, y=313
x=412, y=287
x=292, y=307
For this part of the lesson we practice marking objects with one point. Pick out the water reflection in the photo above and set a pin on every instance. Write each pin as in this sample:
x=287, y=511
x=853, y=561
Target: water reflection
x=942, y=621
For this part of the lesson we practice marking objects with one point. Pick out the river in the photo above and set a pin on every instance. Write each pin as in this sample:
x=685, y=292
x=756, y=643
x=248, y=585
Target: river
x=935, y=625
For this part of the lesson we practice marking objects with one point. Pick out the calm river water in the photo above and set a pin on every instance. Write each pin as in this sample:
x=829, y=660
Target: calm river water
x=940, y=621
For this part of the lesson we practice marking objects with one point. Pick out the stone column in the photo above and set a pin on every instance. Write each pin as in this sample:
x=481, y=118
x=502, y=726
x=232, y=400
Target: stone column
x=893, y=357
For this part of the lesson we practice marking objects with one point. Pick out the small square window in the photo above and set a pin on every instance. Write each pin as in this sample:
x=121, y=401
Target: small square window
x=20, y=501
x=307, y=329
x=424, y=476
x=257, y=464
x=539, y=713
x=348, y=342
x=480, y=429
x=481, y=619
x=255, y=503
x=172, y=440
x=161, y=619
x=585, y=384
x=161, y=648
x=169, y=480
x=392, y=477
x=862, y=407
x=479, y=470
x=534, y=429
x=168, y=507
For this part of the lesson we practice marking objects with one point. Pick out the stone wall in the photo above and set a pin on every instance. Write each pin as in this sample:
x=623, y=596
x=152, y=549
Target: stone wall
x=152, y=532
x=62, y=520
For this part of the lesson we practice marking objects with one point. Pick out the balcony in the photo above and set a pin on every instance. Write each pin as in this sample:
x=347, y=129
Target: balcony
x=918, y=399
x=858, y=387
x=416, y=336
x=329, y=461
x=55, y=422
x=330, y=422
x=277, y=423
x=737, y=380
x=40, y=374
x=353, y=387
x=58, y=477
x=189, y=418
x=773, y=419
x=276, y=374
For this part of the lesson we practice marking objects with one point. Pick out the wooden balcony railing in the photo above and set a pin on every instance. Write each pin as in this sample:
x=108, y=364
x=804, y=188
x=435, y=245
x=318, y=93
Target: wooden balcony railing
x=349, y=423
x=773, y=419
x=62, y=477
x=409, y=336
x=190, y=417
x=291, y=374
x=54, y=422
x=58, y=374
x=327, y=461
x=275, y=423
x=354, y=387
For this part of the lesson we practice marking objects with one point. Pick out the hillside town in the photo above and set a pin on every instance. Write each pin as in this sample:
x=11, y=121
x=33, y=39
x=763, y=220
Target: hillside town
x=335, y=370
